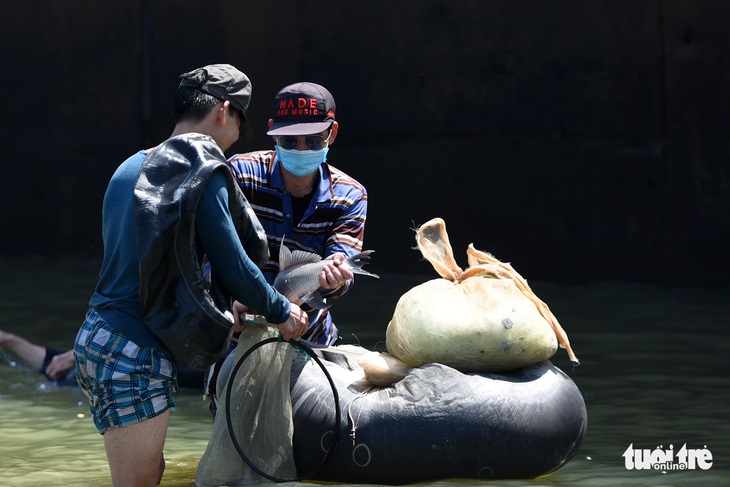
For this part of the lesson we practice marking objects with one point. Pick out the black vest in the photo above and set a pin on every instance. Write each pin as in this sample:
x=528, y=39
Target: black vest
x=182, y=304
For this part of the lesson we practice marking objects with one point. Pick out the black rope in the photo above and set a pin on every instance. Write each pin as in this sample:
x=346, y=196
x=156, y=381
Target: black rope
x=299, y=345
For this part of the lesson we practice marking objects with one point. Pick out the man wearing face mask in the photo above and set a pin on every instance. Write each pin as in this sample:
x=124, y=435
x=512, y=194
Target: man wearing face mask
x=299, y=196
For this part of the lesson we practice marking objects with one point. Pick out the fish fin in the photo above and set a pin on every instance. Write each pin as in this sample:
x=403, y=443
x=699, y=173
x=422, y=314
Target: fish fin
x=284, y=256
x=304, y=257
x=356, y=262
x=288, y=258
x=315, y=300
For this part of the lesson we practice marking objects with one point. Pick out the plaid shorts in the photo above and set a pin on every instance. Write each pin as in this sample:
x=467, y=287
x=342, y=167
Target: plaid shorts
x=125, y=383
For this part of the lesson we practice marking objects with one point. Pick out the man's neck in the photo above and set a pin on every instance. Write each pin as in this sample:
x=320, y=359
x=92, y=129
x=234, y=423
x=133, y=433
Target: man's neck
x=187, y=128
x=206, y=126
x=298, y=186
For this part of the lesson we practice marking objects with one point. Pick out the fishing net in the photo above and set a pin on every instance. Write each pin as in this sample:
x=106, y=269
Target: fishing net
x=260, y=415
x=482, y=319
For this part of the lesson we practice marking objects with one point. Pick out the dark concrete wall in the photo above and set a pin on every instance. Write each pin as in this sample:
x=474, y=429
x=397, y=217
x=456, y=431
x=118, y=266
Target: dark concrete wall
x=578, y=140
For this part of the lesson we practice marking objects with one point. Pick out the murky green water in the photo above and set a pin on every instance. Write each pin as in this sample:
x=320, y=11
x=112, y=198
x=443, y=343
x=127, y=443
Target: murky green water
x=654, y=372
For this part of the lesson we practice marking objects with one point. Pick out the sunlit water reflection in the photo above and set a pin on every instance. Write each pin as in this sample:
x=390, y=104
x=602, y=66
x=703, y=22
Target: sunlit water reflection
x=654, y=372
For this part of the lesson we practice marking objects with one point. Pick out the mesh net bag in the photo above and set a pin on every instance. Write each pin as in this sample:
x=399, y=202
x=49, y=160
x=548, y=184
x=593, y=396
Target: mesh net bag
x=261, y=415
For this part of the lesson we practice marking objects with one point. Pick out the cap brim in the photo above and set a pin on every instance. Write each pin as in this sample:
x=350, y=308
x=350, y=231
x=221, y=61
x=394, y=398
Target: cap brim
x=300, y=128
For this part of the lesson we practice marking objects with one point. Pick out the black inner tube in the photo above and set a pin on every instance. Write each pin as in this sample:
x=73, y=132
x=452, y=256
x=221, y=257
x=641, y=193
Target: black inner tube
x=229, y=389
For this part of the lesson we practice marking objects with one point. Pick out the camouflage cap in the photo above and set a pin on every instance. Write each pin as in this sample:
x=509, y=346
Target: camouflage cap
x=224, y=82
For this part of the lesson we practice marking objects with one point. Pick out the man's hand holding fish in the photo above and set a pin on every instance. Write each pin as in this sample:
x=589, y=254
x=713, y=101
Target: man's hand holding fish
x=334, y=275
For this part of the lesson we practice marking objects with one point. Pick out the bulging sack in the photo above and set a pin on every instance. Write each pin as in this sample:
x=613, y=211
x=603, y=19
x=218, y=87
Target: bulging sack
x=483, y=319
x=478, y=325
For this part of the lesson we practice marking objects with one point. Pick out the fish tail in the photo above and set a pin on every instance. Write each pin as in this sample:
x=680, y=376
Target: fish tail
x=356, y=262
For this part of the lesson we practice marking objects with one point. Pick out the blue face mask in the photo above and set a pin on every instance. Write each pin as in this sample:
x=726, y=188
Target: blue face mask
x=301, y=162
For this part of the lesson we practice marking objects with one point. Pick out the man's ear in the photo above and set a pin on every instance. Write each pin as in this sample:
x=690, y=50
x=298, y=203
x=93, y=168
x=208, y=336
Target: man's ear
x=333, y=132
x=223, y=112
x=271, y=122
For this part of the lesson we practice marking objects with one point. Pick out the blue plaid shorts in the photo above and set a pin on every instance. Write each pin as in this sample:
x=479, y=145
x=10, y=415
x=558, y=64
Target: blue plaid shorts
x=125, y=383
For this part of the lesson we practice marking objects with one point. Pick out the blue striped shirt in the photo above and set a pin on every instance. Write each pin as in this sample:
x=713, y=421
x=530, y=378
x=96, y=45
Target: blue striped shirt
x=333, y=222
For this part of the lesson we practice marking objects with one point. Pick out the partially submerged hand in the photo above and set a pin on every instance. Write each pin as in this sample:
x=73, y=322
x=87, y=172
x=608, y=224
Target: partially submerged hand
x=60, y=364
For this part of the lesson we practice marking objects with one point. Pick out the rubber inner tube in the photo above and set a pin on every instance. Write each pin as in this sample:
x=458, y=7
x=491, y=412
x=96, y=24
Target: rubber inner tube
x=305, y=348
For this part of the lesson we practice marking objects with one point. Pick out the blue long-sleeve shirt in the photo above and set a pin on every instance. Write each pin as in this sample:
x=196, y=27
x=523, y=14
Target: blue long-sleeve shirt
x=116, y=297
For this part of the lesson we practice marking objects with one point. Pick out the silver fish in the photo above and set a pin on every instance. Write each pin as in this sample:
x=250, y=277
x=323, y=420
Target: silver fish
x=298, y=277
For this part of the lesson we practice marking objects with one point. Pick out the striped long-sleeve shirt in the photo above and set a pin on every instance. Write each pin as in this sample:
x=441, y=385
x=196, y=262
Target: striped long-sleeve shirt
x=333, y=221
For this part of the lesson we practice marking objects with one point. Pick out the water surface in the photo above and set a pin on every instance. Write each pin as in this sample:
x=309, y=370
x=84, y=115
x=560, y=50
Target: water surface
x=654, y=373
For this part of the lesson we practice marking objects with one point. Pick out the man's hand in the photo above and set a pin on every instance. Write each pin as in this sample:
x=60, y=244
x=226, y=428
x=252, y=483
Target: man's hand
x=60, y=364
x=333, y=275
x=238, y=311
x=296, y=325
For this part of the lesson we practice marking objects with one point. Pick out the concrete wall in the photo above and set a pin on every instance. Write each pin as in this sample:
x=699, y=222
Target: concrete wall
x=578, y=140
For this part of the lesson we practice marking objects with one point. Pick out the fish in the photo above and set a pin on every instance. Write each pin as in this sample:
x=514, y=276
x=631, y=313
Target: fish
x=298, y=277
